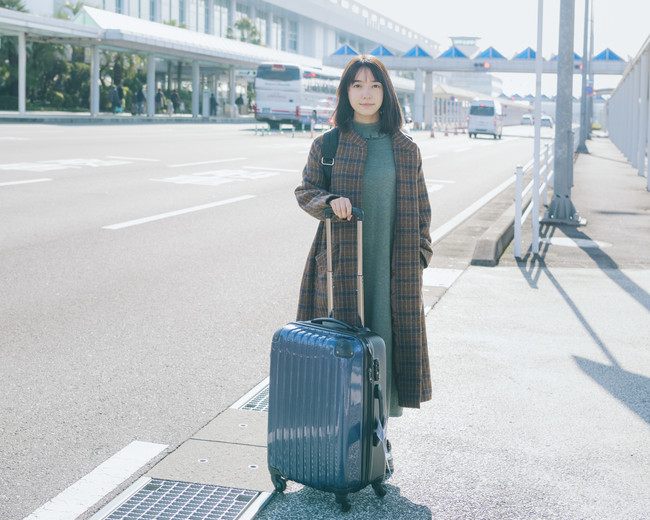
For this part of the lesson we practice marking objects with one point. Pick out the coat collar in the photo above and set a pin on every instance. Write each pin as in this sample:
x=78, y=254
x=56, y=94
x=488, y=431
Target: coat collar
x=400, y=140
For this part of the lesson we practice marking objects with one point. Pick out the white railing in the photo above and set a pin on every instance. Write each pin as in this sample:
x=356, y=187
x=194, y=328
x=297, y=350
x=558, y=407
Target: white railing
x=539, y=192
x=628, y=112
x=538, y=189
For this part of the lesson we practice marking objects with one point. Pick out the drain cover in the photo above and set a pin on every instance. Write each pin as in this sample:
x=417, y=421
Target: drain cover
x=259, y=402
x=168, y=499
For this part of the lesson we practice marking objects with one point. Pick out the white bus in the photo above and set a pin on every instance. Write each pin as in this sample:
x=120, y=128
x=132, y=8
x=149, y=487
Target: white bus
x=292, y=94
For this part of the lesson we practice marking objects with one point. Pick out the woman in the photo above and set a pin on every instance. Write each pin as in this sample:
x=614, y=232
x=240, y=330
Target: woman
x=379, y=169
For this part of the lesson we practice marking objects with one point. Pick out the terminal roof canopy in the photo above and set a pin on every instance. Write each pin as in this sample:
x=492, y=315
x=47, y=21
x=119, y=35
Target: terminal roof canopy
x=491, y=52
x=417, y=52
x=122, y=32
x=608, y=54
x=453, y=52
x=346, y=50
x=381, y=51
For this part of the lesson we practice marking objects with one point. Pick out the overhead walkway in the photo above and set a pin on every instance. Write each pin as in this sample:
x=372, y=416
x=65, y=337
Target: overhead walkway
x=453, y=59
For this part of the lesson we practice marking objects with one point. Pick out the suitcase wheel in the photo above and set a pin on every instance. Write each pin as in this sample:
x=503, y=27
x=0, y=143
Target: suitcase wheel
x=344, y=501
x=380, y=489
x=279, y=483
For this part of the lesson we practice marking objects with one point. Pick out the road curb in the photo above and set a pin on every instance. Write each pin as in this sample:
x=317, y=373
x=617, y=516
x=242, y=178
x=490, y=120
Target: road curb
x=496, y=239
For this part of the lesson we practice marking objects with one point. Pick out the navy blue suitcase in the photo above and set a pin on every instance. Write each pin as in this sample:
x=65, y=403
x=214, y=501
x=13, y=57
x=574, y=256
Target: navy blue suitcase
x=327, y=413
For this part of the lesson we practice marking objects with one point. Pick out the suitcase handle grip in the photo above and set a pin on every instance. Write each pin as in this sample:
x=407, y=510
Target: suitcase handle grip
x=333, y=321
x=356, y=213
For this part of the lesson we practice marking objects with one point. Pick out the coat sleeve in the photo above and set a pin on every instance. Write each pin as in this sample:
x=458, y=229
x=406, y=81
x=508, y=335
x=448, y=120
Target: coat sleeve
x=313, y=193
x=426, y=248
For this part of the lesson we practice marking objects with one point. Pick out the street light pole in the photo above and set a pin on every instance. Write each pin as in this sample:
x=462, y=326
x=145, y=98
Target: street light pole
x=582, y=146
x=561, y=209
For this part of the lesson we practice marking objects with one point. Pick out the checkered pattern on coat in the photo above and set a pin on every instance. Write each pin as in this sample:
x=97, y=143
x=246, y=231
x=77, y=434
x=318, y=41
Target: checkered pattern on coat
x=412, y=252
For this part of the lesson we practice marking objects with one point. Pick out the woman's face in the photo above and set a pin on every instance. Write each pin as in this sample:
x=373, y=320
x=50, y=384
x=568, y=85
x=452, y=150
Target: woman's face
x=366, y=96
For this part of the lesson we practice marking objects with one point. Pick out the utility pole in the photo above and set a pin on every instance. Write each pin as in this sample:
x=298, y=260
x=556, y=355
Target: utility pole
x=582, y=146
x=561, y=209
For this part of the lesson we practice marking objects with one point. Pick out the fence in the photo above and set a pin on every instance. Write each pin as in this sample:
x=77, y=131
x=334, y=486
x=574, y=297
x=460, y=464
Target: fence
x=538, y=187
x=629, y=111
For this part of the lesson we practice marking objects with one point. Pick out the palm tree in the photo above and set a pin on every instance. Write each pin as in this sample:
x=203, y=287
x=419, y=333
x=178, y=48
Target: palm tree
x=14, y=5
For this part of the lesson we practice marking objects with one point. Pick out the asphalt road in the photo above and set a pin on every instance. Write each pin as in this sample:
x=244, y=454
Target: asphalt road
x=143, y=271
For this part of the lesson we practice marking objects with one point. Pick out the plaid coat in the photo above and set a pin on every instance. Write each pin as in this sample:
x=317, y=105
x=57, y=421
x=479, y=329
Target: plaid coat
x=412, y=251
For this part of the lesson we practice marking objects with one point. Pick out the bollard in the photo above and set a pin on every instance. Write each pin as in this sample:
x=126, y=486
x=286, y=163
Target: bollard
x=293, y=131
x=432, y=134
x=446, y=130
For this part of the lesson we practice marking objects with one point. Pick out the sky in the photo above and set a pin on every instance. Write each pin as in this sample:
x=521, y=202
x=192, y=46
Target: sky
x=510, y=26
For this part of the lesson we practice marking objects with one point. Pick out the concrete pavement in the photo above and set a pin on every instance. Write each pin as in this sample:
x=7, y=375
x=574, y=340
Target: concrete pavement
x=541, y=377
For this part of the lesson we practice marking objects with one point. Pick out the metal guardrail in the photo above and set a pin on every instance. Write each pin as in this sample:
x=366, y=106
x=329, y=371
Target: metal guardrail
x=538, y=187
x=629, y=112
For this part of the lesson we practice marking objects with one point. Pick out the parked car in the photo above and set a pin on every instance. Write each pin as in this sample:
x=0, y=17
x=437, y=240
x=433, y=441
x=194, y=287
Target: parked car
x=527, y=119
x=546, y=121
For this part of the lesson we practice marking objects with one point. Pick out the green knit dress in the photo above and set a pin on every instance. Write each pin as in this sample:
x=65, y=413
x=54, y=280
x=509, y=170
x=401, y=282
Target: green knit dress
x=378, y=196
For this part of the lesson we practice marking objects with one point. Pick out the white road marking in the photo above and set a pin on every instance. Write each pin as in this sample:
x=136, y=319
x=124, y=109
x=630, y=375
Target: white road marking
x=271, y=169
x=464, y=149
x=217, y=177
x=23, y=182
x=175, y=213
x=582, y=243
x=132, y=158
x=432, y=156
x=436, y=277
x=439, y=233
x=206, y=162
x=86, y=492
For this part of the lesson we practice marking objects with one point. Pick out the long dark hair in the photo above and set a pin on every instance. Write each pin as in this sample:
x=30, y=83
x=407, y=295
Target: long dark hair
x=390, y=112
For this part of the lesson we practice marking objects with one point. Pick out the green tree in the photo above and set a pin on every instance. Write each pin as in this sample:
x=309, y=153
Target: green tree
x=14, y=5
x=67, y=12
x=247, y=31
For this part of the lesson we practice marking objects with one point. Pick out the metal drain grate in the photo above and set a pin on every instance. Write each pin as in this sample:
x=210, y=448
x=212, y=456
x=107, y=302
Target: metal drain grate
x=259, y=402
x=171, y=500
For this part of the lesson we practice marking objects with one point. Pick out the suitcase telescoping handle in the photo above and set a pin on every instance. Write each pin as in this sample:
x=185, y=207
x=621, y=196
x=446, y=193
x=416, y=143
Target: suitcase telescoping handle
x=357, y=213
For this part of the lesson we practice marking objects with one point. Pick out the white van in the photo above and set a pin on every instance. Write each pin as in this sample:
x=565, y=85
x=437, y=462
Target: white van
x=485, y=117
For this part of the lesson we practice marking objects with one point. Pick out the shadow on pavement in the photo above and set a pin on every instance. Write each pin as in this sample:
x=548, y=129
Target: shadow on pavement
x=308, y=503
x=633, y=390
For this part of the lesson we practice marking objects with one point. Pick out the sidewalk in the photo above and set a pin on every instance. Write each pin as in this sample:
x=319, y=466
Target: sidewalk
x=107, y=118
x=541, y=378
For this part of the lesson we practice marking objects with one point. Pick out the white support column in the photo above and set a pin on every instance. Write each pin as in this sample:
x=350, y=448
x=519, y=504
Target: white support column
x=94, y=80
x=22, y=74
x=231, y=93
x=151, y=84
x=636, y=93
x=428, y=99
x=643, y=115
x=418, y=115
x=269, y=28
x=195, y=89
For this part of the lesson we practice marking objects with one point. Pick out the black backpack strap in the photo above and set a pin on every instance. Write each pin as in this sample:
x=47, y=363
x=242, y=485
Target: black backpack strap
x=328, y=151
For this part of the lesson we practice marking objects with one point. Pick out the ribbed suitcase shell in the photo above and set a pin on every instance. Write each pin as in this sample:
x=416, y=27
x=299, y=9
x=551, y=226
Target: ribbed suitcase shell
x=324, y=407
